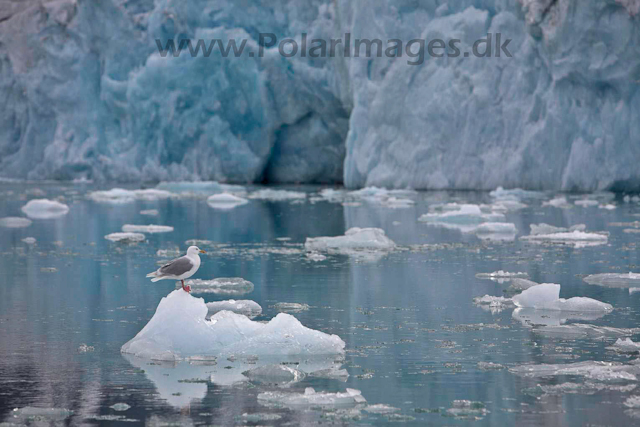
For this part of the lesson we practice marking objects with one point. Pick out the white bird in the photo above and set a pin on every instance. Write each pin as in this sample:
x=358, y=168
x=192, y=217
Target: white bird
x=180, y=268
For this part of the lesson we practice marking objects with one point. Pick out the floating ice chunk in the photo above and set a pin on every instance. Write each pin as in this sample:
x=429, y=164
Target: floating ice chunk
x=397, y=203
x=515, y=194
x=84, y=348
x=546, y=296
x=225, y=201
x=574, y=236
x=311, y=398
x=248, y=308
x=119, y=195
x=29, y=240
x=576, y=388
x=497, y=231
x=607, y=206
x=125, y=237
x=186, y=188
x=355, y=239
x=226, y=334
x=275, y=374
x=492, y=303
x=625, y=346
x=594, y=370
x=463, y=217
x=169, y=253
x=150, y=212
x=381, y=408
x=151, y=229
x=334, y=373
x=45, y=209
x=315, y=256
x=614, y=280
x=501, y=274
x=15, y=222
x=277, y=195
x=466, y=409
x=290, y=307
x=490, y=366
x=332, y=195
x=220, y=285
x=120, y=406
x=632, y=402
x=558, y=202
x=586, y=202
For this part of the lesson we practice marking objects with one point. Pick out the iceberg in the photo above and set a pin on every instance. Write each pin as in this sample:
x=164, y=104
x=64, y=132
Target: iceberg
x=15, y=222
x=179, y=331
x=151, y=229
x=247, y=308
x=220, y=285
x=355, y=239
x=225, y=201
x=125, y=237
x=45, y=209
x=546, y=296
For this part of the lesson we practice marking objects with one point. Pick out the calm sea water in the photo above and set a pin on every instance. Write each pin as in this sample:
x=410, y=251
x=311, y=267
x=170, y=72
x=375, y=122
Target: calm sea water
x=414, y=337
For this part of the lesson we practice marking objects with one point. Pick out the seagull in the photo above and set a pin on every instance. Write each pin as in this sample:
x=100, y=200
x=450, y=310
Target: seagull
x=180, y=268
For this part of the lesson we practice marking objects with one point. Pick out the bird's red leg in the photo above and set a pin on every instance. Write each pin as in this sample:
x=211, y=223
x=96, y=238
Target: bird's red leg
x=185, y=288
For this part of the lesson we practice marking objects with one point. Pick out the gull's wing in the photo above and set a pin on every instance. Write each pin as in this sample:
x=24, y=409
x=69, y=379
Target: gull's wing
x=176, y=267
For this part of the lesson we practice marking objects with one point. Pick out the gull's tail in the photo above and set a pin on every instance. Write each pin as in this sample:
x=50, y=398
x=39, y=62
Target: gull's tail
x=155, y=276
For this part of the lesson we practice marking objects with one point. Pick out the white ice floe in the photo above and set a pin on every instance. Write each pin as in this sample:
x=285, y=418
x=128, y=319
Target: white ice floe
x=277, y=195
x=625, y=346
x=315, y=256
x=501, y=274
x=614, y=280
x=29, y=240
x=593, y=370
x=546, y=296
x=220, y=285
x=487, y=221
x=515, y=194
x=150, y=212
x=151, y=229
x=607, y=206
x=178, y=330
x=311, y=398
x=395, y=199
x=576, y=236
x=632, y=402
x=225, y=201
x=381, y=408
x=558, y=202
x=15, y=222
x=247, y=308
x=354, y=239
x=45, y=209
x=290, y=307
x=125, y=237
x=493, y=303
x=119, y=195
x=279, y=375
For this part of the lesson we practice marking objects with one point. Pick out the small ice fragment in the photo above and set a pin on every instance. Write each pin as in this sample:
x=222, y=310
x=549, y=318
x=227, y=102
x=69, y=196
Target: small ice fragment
x=120, y=406
x=277, y=195
x=169, y=253
x=614, y=280
x=48, y=269
x=226, y=334
x=290, y=307
x=558, y=202
x=492, y=303
x=515, y=194
x=248, y=308
x=490, y=366
x=29, y=240
x=353, y=240
x=593, y=370
x=14, y=222
x=546, y=296
x=188, y=188
x=120, y=196
x=150, y=212
x=125, y=237
x=151, y=229
x=381, y=408
x=275, y=374
x=632, y=402
x=83, y=348
x=225, y=201
x=625, y=346
x=220, y=285
x=575, y=235
x=501, y=274
x=315, y=256
x=607, y=206
x=311, y=398
x=45, y=209
x=466, y=409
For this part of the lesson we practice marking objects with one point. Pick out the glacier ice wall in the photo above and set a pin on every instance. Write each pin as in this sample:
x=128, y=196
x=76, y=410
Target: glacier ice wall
x=85, y=94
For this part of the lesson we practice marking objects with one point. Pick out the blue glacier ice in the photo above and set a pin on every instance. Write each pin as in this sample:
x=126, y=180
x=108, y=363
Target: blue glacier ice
x=85, y=94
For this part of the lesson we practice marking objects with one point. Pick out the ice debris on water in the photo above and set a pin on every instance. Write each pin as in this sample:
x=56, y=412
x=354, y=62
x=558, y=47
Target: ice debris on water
x=220, y=285
x=190, y=188
x=84, y=348
x=45, y=209
x=291, y=307
x=121, y=406
x=29, y=240
x=463, y=217
x=151, y=229
x=588, y=388
x=150, y=212
x=226, y=334
x=632, y=402
x=517, y=194
x=558, y=202
x=120, y=196
x=225, y=201
x=15, y=222
x=279, y=375
x=247, y=308
x=467, y=409
x=592, y=370
x=501, y=274
x=625, y=346
x=497, y=231
x=354, y=239
x=315, y=256
x=586, y=202
x=576, y=235
x=492, y=303
x=614, y=280
x=490, y=366
x=381, y=408
x=311, y=398
x=277, y=195
x=125, y=237
x=546, y=296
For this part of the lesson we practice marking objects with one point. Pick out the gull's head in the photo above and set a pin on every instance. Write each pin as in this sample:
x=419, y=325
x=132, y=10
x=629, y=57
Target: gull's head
x=194, y=250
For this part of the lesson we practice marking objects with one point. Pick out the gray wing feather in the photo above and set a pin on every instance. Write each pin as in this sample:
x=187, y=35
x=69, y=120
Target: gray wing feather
x=176, y=267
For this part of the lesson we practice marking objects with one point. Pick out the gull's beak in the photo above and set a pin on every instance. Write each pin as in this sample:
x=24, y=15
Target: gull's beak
x=203, y=252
